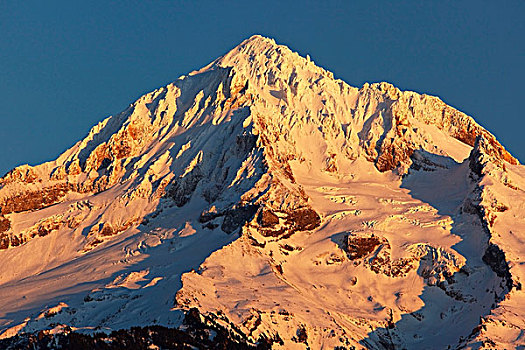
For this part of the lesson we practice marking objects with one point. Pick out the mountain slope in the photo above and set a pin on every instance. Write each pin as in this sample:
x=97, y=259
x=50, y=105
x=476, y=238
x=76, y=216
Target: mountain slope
x=283, y=202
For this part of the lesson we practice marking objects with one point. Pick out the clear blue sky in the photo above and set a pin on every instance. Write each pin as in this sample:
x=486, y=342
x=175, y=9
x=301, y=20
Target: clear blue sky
x=65, y=65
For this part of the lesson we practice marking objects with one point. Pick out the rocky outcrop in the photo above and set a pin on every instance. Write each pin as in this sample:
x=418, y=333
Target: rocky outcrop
x=6, y=239
x=374, y=252
x=487, y=150
x=283, y=224
x=236, y=217
x=290, y=217
x=34, y=200
x=23, y=174
x=5, y=224
x=359, y=247
x=267, y=218
x=489, y=170
x=10, y=240
x=495, y=258
x=70, y=219
x=232, y=218
x=435, y=265
x=181, y=189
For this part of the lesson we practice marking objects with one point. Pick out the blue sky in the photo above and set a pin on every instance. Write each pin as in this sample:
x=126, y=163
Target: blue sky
x=65, y=65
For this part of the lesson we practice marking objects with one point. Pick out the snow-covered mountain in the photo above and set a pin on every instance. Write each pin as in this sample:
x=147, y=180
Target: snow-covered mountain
x=281, y=203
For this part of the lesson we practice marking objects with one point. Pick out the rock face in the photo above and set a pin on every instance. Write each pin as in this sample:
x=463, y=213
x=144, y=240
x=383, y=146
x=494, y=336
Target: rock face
x=34, y=200
x=495, y=258
x=288, y=207
x=5, y=224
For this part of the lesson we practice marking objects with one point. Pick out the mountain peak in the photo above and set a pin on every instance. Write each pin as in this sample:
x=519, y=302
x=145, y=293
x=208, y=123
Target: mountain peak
x=275, y=199
x=258, y=39
x=266, y=53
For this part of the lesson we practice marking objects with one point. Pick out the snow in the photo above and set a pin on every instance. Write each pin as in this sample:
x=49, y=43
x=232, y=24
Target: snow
x=263, y=126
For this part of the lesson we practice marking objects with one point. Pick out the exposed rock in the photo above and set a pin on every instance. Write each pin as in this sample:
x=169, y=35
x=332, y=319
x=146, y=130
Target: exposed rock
x=4, y=241
x=107, y=230
x=48, y=226
x=72, y=218
x=422, y=160
x=23, y=173
x=73, y=167
x=435, y=264
x=488, y=150
x=299, y=219
x=391, y=156
x=495, y=258
x=237, y=216
x=303, y=219
x=267, y=218
x=359, y=247
x=209, y=215
x=301, y=336
x=34, y=200
x=5, y=224
x=245, y=143
x=11, y=240
x=484, y=155
x=382, y=262
x=59, y=173
x=182, y=189
x=40, y=229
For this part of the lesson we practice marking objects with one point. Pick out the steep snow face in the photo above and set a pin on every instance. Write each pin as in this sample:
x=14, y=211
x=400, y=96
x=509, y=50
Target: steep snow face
x=264, y=191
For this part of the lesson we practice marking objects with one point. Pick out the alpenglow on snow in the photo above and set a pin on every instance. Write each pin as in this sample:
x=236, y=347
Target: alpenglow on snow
x=259, y=201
